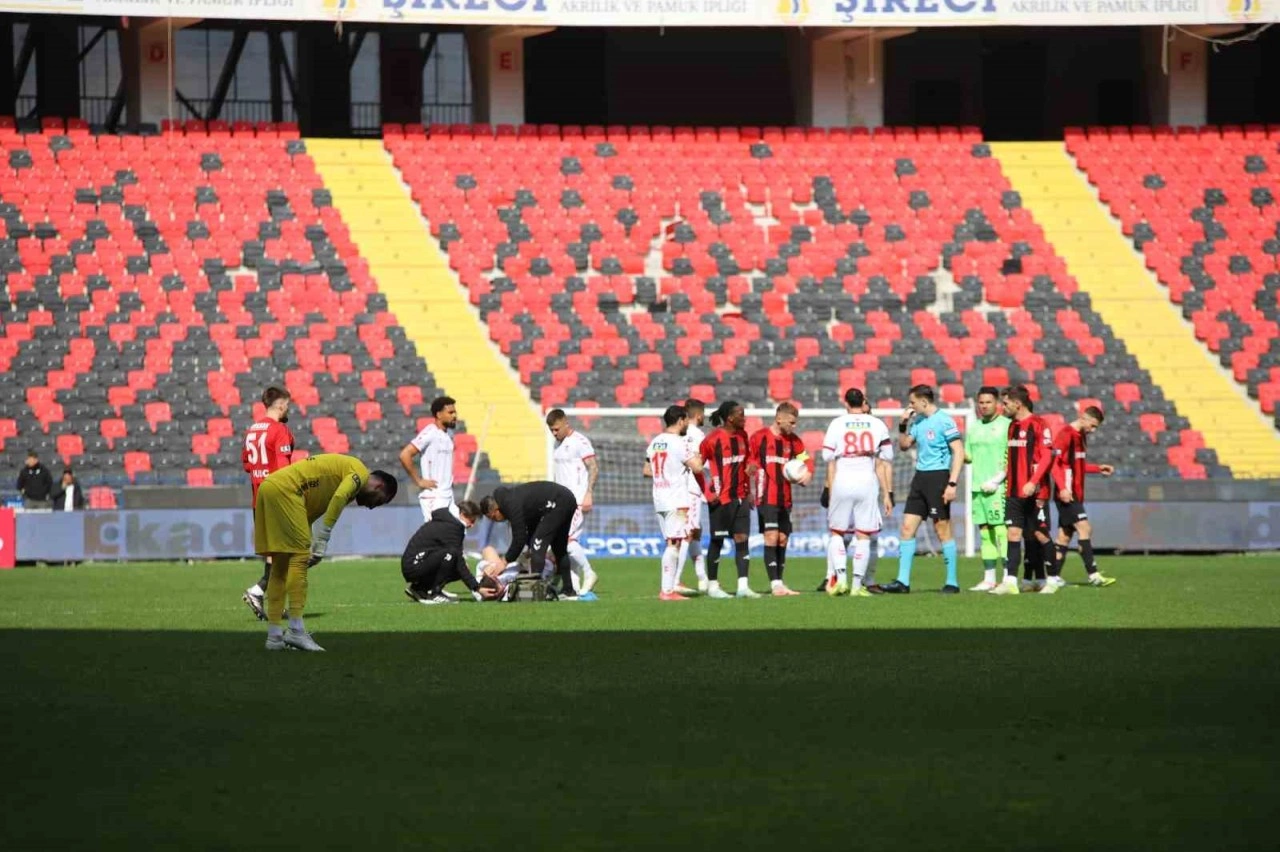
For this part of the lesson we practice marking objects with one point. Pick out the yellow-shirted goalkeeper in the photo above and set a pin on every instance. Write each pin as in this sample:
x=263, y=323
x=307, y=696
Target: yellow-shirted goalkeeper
x=290, y=500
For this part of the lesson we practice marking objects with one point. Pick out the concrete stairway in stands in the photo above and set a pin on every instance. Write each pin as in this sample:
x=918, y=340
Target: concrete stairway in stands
x=426, y=299
x=1128, y=299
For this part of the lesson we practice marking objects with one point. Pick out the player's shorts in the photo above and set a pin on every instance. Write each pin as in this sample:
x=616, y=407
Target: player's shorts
x=1023, y=513
x=280, y=521
x=855, y=505
x=674, y=524
x=696, y=507
x=430, y=502
x=988, y=509
x=1070, y=514
x=732, y=518
x=774, y=519
x=575, y=526
x=925, y=499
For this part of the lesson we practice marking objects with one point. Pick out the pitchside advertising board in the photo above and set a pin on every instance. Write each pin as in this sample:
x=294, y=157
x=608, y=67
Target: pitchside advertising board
x=692, y=13
x=611, y=532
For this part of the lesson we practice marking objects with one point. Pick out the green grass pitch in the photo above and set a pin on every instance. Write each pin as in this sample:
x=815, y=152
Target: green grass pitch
x=141, y=712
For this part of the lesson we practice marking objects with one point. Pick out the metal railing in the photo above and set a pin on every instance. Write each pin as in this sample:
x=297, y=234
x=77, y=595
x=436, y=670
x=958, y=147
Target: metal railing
x=366, y=116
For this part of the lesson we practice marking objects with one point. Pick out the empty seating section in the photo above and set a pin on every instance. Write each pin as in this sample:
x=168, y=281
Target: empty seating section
x=1203, y=206
x=154, y=286
x=626, y=266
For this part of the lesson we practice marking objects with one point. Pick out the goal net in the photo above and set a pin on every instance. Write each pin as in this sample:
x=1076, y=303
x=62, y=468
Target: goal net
x=623, y=499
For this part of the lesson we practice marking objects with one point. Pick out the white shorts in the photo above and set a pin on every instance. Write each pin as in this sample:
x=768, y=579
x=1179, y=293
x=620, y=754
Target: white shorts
x=674, y=524
x=855, y=505
x=696, y=507
x=575, y=526
x=430, y=502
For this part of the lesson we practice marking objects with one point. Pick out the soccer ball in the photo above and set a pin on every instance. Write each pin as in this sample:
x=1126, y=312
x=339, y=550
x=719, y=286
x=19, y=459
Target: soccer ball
x=795, y=470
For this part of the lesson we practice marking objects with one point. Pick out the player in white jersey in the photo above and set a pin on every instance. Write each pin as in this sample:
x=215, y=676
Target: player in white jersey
x=435, y=444
x=668, y=461
x=575, y=469
x=696, y=409
x=859, y=455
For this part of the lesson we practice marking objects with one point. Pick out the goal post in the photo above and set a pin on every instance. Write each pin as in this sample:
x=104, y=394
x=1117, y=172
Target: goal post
x=620, y=436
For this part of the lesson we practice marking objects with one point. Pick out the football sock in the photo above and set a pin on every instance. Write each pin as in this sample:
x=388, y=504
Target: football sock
x=681, y=558
x=581, y=566
x=276, y=591
x=713, y=559
x=296, y=625
x=274, y=630
x=700, y=566
x=771, y=562
x=861, y=557
x=1013, y=560
x=1035, y=556
x=1002, y=540
x=775, y=584
x=906, y=555
x=782, y=560
x=836, y=556
x=1086, y=556
x=297, y=585
x=949, y=559
x=266, y=577
x=742, y=555
x=873, y=549
x=989, y=551
x=1059, y=556
x=670, y=566
x=743, y=584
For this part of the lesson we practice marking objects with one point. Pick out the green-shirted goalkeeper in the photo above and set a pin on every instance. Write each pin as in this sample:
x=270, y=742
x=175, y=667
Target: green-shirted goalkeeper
x=986, y=447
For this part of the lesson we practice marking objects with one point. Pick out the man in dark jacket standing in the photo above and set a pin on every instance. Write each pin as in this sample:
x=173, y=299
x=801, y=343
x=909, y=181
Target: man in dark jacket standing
x=434, y=557
x=540, y=514
x=35, y=483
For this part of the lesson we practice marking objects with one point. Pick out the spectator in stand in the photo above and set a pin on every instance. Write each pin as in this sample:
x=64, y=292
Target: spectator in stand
x=35, y=483
x=70, y=496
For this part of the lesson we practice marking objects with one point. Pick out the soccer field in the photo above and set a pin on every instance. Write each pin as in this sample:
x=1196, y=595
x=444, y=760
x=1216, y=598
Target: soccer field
x=140, y=711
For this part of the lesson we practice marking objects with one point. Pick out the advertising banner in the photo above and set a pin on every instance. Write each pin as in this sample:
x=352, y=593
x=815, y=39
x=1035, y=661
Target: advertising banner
x=695, y=13
x=610, y=532
x=8, y=539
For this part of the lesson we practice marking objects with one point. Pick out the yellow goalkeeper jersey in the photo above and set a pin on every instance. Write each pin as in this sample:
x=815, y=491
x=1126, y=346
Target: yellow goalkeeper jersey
x=326, y=483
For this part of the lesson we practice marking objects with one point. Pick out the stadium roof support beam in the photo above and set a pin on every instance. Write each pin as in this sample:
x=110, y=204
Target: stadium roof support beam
x=839, y=75
x=1177, y=72
x=496, y=57
x=228, y=73
x=146, y=51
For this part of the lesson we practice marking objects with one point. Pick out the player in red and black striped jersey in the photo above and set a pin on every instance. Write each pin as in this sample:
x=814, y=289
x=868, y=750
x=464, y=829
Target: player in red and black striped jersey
x=1027, y=490
x=727, y=471
x=772, y=447
x=268, y=446
x=1070, y=467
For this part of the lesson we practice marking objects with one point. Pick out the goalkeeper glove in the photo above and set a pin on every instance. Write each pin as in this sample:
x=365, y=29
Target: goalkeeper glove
x=825, y=499
x=991, y=485
x=320, y=544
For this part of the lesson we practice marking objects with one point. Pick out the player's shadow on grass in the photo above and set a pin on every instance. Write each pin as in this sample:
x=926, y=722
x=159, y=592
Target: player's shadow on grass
x=738, y=740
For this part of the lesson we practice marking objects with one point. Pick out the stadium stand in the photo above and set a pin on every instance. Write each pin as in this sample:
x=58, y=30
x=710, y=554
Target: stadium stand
x=1201, y=206
x=143, y=310
x=620, y=266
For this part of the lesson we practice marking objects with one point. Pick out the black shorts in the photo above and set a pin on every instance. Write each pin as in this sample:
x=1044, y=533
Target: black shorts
x=427, y=567
x=1070, y=514
x=925, y=499
x=732, y=518
x=774, y=518
x=1024, y=514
